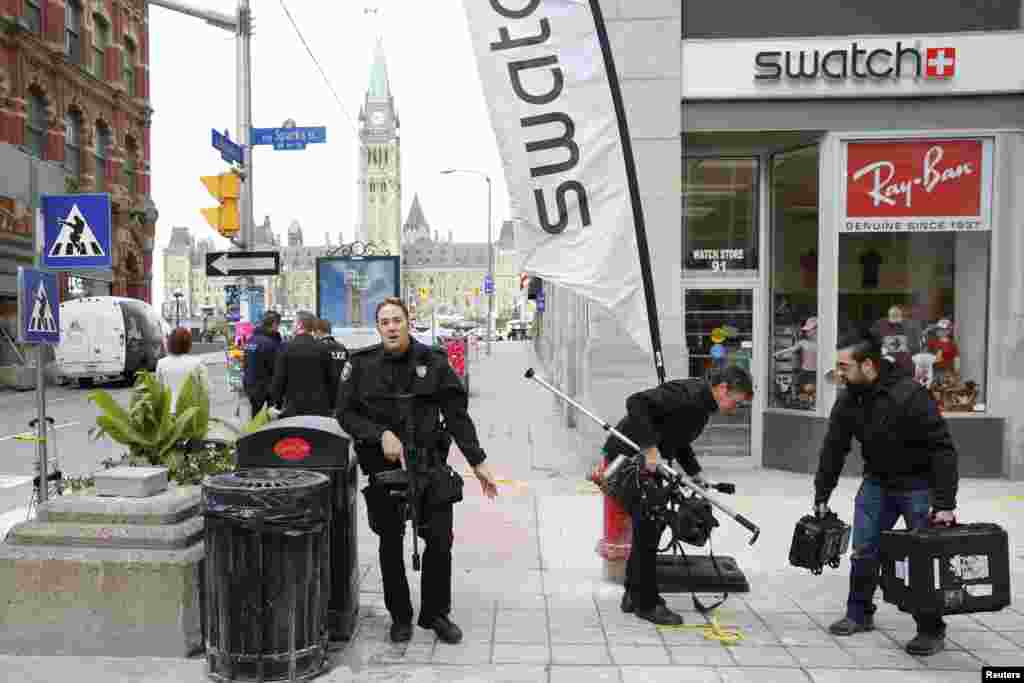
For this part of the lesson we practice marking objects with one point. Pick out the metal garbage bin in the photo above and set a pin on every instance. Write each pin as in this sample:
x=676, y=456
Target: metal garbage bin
x=266, y=580
x=320, y=445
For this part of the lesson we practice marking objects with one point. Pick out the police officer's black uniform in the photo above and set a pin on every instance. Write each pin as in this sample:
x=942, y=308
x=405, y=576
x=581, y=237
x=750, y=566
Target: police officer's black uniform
x=366, y=410
x=305, y=382
x=260, y=358
x=339, y=354
x=670, y=416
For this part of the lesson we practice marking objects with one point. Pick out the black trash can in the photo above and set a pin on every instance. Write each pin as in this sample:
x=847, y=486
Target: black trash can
x=320, y=445
x=266, y=583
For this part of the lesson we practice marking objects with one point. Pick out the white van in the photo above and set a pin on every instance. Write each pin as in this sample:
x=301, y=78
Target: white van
x=108, y=337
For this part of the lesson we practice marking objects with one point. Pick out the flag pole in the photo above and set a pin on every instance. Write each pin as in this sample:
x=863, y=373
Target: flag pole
x=634, y=188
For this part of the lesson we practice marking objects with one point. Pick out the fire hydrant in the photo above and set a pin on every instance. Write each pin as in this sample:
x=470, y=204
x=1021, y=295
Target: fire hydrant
x=617, y=542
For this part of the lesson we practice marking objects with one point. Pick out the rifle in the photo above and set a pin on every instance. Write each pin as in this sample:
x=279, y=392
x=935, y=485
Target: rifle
x=413, y=474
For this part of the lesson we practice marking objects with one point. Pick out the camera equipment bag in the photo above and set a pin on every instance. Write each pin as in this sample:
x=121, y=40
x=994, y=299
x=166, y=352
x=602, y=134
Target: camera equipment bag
x=819, y=541
x=957, y=569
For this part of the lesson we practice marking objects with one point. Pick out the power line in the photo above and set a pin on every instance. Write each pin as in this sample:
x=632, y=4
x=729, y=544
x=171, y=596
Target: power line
x=323, y=74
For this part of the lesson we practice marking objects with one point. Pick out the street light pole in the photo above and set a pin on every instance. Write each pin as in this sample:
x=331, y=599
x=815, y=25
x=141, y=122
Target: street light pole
x=490, y=250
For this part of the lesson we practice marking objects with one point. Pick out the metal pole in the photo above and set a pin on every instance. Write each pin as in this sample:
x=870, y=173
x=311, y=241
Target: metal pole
x=490, y=268
x=43, y=492
x=244, y=112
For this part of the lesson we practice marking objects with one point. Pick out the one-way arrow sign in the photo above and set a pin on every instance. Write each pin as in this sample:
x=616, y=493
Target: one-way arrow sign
x=231, y=263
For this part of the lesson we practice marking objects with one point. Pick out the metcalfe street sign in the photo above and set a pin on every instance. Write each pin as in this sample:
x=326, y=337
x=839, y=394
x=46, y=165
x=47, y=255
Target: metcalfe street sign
x=232, y=263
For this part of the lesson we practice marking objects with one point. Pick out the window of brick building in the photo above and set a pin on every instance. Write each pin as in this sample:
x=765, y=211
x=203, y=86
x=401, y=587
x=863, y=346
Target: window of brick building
x=130, y=166
x=100, y=42
x=35, y=124
x=128, y=68
x=73, y=32
x=73, y=143
x=34, y=15
x=102, y=154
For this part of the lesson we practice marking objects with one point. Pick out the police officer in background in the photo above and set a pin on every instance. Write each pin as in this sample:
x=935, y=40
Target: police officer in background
x=260, y=358
x=368, y=409
x=305, y=377
x=339, y=354
x=664, y=422
x=910, y=470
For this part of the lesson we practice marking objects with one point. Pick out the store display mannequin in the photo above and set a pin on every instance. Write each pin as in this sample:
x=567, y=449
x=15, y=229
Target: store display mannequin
x=806, y=376
x=947, y=353
x=895, y=337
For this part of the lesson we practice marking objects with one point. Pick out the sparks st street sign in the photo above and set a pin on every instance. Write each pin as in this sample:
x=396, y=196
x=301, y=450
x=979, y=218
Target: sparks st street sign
x=232, y=263
x=229, y=151
x=289, y=138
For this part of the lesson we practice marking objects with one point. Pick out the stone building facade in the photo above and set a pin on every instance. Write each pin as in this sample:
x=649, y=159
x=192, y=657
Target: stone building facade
x=75, y=117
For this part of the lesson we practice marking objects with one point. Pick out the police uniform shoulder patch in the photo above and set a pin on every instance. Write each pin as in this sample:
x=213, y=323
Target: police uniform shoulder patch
x=346, y=371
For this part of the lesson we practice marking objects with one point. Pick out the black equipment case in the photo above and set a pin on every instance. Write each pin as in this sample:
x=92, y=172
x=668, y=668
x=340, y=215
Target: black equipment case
x=817, y=542
x=947, y=570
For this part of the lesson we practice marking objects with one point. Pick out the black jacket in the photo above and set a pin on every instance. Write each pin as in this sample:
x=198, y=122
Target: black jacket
x=339, y=354
x=260, y=357
x=671, y=417
x=366, y=407
x=304, y=379
x=904, y=439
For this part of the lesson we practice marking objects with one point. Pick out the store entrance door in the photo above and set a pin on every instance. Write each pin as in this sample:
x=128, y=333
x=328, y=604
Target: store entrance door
x=721, y=329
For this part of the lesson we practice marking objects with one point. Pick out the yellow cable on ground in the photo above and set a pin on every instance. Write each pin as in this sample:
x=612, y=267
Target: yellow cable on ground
x=727, y=635
x=28, y=436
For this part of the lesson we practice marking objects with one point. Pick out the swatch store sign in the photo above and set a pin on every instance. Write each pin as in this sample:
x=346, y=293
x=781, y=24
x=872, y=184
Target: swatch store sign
x=917, y=186
x=900, y=60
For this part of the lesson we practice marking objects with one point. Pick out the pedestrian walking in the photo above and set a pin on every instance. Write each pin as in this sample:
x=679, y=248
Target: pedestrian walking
x=305, y=381
x=177, y=365
x=260, y=358
x=910, y=470
x=664, y=422
x=370, y=408
x=339, y=354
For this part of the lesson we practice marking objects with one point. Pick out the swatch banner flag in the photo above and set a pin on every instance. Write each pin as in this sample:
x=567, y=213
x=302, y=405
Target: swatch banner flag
x=546, y=84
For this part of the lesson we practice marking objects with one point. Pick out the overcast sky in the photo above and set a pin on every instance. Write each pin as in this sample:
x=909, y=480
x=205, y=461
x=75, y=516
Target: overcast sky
x=433, y=78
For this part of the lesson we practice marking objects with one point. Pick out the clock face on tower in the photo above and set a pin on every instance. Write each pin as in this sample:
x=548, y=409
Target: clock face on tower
x=377, y=118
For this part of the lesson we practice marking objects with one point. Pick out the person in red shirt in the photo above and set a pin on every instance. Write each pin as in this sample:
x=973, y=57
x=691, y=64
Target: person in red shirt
x=945, y=349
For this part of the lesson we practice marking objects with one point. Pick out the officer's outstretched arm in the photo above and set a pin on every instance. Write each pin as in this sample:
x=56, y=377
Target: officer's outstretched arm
x=347, y=411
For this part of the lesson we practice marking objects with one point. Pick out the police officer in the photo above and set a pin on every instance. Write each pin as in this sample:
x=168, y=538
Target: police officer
x=910, y=465
x=339, y=354
x=260, y=357
x=665, y=421
x=369, y=411
x=305, y=381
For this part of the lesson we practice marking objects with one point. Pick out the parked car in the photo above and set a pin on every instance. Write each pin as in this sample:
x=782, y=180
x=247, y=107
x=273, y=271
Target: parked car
x=109, y=337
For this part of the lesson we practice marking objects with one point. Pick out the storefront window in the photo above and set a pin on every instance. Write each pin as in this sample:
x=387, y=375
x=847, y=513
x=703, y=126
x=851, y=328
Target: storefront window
x=793, y=335
x=720, y=215
x=914, y=259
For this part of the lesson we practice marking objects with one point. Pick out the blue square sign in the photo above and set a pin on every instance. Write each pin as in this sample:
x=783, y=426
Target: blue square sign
x=38, y=307
x=76, y=231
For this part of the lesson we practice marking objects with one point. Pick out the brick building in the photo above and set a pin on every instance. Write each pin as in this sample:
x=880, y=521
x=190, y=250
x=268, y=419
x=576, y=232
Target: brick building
x=75, y=117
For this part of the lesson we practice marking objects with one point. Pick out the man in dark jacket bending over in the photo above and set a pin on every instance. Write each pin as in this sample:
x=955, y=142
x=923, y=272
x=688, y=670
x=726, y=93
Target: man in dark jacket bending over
x=665, y=421
x=910, y=464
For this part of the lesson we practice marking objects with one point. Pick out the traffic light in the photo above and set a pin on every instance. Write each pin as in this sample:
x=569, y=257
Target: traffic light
x=225, y=188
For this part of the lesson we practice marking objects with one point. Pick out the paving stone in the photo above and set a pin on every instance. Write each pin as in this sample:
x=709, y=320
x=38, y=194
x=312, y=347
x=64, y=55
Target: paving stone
x=625, y=655
x=633, y=634
x=887, y=676
x=951, y=660
x=671, y=674
x=786, y=621
x=806, y=638
x=999, y=657
x=465, y=653
x=1015, y=636
x=822, y=657
x=966, y=622
x=763, y=656
x=568, y=635
x=520, y=653
x=711, y=655
x=761, y=674
x=592, y=674
x=870, y=640
x=886, y=658
x=977, y=640
x=1001, y=621
x=567, y=654
x=521, y=626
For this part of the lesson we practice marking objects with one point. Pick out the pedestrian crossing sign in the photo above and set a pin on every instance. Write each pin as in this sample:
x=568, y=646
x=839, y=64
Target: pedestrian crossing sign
x=76, y=231
x=38, y=307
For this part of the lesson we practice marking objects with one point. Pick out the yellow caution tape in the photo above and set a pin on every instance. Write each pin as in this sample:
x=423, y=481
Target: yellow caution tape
x=727, y=635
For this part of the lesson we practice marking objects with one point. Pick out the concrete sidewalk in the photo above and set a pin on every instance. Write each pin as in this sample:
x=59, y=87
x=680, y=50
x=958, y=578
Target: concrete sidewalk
x=530, y=593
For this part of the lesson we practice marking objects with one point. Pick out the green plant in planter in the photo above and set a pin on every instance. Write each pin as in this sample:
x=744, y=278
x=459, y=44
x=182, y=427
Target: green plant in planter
x=150, y=430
